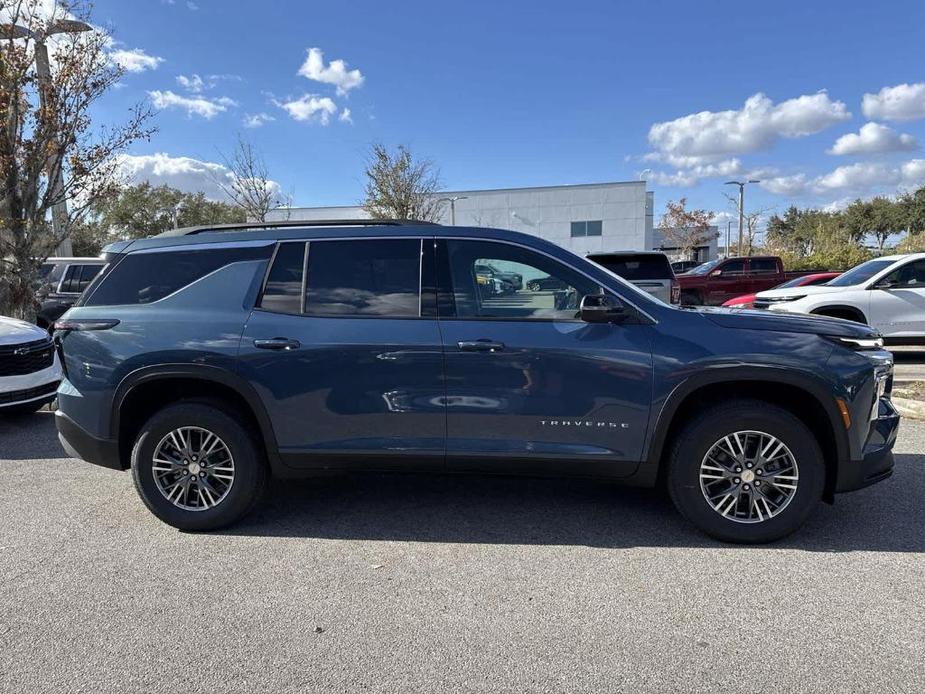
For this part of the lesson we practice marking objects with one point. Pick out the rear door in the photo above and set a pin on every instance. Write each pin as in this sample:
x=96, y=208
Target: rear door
x=529, y=385
x=763, y=273
x=345, y=352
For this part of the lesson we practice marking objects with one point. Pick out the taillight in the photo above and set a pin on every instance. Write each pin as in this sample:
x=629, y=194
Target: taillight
x=85, y=324
x=675, y=292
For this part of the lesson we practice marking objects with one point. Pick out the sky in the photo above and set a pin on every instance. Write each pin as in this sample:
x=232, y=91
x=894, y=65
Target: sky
x=821, y=101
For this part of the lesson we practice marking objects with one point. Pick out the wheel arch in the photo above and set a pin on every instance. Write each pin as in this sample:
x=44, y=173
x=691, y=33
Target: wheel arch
x=840, y=308
x=803, y=394
x=148, y=389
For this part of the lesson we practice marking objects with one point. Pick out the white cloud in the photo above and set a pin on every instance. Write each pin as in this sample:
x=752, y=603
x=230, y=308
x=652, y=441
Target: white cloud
x=863, y=178
x=184, y=173
x=710, y=135
x=257, y=120
x=198, y=105
x=135, y=60
x=902, y=102
x=345, y=116
x=309, y=107
x=335, y=72
x=192, y=5
x=684, y=178
x=193, y=83
x=873, y=138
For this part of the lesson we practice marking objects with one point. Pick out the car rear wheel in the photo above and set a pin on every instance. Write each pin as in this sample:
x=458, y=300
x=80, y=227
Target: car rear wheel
x=196, y=468
x=747, y=471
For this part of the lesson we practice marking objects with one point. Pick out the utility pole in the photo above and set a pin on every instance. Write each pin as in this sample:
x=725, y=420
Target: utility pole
x=452, y=202
x=741, y=185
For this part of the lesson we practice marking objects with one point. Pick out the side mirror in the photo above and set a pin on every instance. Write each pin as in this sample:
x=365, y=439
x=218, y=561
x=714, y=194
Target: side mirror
x=886, y=284
x=716, y=273
x=601, y=308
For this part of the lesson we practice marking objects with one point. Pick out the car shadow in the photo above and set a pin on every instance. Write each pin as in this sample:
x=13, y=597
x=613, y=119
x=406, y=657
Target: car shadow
x=595, y=513
x=887, y=517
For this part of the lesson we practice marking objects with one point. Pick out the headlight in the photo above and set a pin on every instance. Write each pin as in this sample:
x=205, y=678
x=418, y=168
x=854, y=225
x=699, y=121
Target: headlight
x=857, y=343
x=780, y=299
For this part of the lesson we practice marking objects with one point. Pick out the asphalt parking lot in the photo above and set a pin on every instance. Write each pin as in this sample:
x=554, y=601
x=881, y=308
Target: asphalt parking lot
x=448, y=584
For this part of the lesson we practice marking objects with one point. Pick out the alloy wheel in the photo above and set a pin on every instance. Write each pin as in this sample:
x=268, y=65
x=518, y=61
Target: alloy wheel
x=193, y=468
x=749, y=476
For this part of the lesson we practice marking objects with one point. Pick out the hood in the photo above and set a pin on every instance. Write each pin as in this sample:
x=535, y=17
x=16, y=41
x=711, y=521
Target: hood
x=14, y=332
x=749, y=319
x=803, y=291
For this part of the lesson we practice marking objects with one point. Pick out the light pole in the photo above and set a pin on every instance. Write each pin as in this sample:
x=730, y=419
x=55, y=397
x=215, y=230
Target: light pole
x=452, y=202
x=741, y=185
x=43, y=73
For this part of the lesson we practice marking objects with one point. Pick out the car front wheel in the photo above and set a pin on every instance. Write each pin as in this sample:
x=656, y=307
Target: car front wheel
x=747, y=471
x=196, y=468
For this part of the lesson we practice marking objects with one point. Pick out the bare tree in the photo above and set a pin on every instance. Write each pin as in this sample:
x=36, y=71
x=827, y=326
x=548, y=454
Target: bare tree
x=248, y=184
x=686, y=229
x=49, y=150
x=751, y=227
x=399, y=187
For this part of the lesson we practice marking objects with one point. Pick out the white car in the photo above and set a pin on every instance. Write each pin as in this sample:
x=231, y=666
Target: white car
x=29, y=367
x=887, y=293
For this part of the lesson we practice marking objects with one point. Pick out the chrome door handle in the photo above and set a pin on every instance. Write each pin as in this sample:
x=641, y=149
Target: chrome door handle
x=480, y=346
x=278, y=343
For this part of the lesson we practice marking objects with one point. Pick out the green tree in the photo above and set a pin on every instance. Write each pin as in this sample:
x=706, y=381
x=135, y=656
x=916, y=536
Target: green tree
x=398, y=186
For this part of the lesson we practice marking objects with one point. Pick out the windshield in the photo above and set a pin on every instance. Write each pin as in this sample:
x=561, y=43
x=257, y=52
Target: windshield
x=860, y=273
x=705, y=268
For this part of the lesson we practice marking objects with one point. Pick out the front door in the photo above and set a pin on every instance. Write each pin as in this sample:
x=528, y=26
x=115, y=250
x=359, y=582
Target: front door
x=897, y=303
x=528, y=384
x=729, y=284
x=348, y=362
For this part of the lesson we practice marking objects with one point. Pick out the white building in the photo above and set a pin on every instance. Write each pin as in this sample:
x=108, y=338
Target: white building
x=582, y=218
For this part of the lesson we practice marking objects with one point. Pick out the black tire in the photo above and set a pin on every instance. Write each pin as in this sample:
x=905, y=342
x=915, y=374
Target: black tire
x=250, y=469
x=690, y=298
x=701, y=433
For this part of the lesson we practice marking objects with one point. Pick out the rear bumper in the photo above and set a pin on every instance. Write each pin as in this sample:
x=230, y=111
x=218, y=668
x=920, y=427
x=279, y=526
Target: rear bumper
x=80, y=444
x=876, y=464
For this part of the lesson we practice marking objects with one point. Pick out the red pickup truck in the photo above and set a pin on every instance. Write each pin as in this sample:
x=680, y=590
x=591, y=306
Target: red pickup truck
x=718, y=280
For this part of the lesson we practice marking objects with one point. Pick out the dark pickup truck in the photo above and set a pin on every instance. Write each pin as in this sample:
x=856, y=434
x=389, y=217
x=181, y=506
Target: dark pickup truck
x=722, y=279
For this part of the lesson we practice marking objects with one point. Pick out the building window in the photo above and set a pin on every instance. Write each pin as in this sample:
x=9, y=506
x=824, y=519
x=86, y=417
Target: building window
x=592, y=228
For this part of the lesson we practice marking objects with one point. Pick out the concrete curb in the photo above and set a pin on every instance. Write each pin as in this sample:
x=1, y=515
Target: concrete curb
x=913, y=409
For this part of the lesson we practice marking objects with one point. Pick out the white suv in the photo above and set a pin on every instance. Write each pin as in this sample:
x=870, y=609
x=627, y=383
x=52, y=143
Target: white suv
x=887, y=293
x=29, y=368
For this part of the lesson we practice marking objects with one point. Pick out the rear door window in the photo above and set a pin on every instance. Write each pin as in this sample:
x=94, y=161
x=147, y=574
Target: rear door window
x=764, y=266
x=376, y=278
x=637, y=267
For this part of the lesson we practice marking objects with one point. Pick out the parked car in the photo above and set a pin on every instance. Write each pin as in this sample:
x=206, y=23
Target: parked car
x=648, y=270
x=63, y=280
x=514, y=279
x=887, y=293
x=206, y=359
x=679, y=267
x=29, y=368
x=748, y=300
x=722, y=279
x=541, y=284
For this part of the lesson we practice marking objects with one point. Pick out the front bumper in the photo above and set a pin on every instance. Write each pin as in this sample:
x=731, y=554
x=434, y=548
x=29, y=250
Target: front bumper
x=27, y=396
x=80, y=444
x=876, y=463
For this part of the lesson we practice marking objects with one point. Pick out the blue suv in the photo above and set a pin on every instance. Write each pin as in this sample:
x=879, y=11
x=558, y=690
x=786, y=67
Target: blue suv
x=207, y=359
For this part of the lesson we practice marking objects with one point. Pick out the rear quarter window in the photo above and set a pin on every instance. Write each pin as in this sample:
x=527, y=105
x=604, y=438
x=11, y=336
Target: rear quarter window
x=142, y=278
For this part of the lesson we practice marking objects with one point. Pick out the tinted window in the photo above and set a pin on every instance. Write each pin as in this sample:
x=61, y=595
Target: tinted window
x=591, y=228
x=909, y=275
x=550, y=290
x=364, y=278
x=764, y=265
x=733, y=267
x=636, y=267
x=283, y=291
x=860, y=273
x=140, y=278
